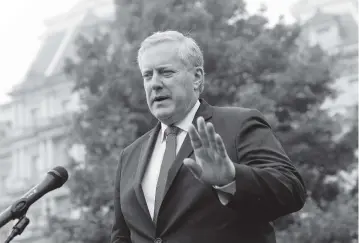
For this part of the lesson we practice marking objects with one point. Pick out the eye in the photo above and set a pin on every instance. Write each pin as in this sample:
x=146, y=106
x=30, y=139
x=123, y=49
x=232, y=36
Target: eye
x=147, y=76
x=168, y=73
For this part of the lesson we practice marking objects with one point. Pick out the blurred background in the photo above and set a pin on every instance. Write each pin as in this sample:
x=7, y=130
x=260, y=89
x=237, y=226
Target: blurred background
x=71, y=95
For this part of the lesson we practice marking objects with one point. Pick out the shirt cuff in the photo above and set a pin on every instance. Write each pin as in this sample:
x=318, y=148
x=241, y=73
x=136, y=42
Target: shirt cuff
x=225, y=192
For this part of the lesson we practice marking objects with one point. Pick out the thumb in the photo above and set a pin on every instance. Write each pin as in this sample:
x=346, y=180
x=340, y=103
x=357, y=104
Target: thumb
x=194, y=167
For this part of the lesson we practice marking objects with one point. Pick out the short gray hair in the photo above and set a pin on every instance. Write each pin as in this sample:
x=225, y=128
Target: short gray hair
x=188, y=50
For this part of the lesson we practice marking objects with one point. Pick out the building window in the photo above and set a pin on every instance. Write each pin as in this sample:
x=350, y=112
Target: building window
x=2, y=184
x=65, y=105
x=34, y=172
x=34, y=116
x=323, y=29
x=62, y=205
x=353, y=80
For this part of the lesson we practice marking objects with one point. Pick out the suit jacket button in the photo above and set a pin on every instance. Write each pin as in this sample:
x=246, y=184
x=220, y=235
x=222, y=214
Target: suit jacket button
x=158, y=240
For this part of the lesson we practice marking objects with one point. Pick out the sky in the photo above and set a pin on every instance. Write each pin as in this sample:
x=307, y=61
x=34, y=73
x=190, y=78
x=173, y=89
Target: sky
x=22, y=24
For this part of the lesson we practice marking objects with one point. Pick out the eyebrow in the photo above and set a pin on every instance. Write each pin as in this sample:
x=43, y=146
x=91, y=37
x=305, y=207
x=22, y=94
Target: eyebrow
x=164, y=66
x=158, y=68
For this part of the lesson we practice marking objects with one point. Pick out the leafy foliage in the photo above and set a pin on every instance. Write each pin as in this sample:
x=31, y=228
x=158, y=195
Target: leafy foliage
x=337, y=224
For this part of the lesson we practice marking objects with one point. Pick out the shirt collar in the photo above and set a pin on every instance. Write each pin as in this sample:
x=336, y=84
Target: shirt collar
x=185, y=123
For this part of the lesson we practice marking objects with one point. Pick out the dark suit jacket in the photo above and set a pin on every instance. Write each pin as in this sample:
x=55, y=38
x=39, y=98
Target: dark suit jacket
x=268, y=186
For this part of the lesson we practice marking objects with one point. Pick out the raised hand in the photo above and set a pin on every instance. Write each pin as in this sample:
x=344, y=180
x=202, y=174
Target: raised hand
x=211, y=164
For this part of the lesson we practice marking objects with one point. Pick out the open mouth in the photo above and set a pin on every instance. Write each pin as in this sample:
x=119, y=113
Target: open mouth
x=160, y=98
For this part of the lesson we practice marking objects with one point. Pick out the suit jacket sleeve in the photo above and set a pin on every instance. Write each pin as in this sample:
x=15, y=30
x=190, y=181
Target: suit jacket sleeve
x=120, y=232
x=267, y=184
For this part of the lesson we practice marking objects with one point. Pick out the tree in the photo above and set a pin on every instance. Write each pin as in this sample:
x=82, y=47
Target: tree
x=247, y=63
x=337, y=224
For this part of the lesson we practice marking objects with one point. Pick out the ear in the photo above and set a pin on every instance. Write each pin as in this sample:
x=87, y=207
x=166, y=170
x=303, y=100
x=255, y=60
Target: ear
x=199, y=78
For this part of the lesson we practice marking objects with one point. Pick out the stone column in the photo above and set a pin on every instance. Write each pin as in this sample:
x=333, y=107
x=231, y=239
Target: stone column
x=24, y=164
x=16, y=171
x=42, y=157
x=50, y=153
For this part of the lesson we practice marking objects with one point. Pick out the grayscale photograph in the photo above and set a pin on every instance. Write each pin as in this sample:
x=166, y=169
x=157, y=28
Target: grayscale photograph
x=179, y=121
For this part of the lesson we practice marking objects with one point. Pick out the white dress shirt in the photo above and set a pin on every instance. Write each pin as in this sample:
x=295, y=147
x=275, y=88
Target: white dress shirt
x=151, y=175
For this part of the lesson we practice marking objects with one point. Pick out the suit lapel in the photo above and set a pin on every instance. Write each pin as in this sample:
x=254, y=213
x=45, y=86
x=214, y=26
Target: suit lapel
x=205, y=110
x=145, y=155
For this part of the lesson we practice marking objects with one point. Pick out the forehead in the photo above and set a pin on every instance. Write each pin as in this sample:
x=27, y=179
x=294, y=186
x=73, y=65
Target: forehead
x=160, y=55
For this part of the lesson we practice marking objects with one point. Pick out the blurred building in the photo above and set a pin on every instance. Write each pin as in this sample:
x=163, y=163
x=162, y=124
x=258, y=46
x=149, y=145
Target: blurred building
x=333, y=25
x=35, y=124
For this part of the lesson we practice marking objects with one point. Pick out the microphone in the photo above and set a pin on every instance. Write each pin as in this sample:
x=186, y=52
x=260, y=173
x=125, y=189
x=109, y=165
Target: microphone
x=54, y=179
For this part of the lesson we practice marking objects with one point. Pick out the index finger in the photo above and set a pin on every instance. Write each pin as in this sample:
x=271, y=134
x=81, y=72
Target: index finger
x=194, y=136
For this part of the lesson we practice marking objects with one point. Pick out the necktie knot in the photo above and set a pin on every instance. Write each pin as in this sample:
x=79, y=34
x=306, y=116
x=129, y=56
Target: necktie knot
x=171, y=130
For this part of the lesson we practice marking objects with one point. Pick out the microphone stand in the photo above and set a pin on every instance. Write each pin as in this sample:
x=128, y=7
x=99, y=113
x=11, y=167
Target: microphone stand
x=18, y=211
x=18, y=228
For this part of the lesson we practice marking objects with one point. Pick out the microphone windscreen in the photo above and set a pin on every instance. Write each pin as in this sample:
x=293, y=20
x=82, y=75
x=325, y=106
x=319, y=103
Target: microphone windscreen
x=61, y=173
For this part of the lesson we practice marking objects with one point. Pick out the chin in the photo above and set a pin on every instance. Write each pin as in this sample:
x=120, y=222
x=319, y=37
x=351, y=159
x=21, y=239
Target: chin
x=164, y=116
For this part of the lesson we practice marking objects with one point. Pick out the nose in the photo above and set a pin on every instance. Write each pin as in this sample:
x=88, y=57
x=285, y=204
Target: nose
x=156, y=82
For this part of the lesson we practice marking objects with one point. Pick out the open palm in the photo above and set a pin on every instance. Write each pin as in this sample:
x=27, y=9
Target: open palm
x=211, y=164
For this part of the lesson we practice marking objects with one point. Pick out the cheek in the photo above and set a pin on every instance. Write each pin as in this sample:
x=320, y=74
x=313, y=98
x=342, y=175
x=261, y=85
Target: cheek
x=183, y=86
x=147, y=90
x=187, y=89
x=179, y=93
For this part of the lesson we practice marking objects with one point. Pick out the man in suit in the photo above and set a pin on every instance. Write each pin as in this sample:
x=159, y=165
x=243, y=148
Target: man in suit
x=203, y=173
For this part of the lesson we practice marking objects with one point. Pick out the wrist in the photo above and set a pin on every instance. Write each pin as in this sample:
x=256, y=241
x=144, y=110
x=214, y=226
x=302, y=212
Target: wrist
x=231, y=176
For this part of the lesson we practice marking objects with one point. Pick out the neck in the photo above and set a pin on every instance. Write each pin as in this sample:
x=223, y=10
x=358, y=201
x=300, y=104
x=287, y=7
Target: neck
x=190, y=106
x=173, y=120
